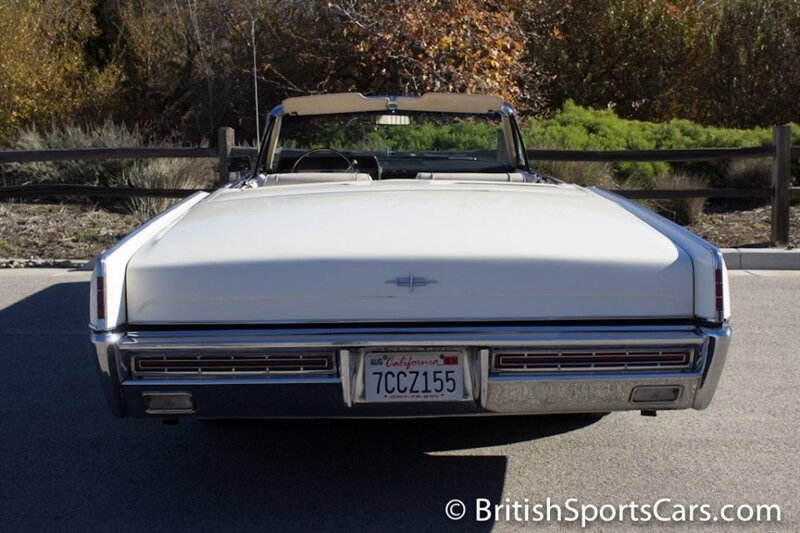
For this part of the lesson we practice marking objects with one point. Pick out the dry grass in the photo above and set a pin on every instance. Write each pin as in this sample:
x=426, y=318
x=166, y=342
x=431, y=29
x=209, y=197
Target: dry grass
x=684, y=211
x=84, y=172
x=583, y=173
x=167, y=174
x=50, y=231
x=747, y=173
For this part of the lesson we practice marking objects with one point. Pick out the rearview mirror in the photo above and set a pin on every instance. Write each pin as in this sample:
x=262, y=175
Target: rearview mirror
x=393, y=120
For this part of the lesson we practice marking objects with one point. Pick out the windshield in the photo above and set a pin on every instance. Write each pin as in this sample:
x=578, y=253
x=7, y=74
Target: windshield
x=400, y=140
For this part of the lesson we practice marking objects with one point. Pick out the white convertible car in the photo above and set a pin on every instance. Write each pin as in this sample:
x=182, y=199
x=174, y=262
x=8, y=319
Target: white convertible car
x=397, y=256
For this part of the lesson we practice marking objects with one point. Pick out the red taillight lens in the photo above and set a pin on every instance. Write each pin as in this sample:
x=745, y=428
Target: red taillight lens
x=101, y=299
x=720, y=301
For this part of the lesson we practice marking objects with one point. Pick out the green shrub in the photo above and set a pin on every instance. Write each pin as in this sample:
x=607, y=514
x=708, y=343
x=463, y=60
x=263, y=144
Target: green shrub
x=579, y=128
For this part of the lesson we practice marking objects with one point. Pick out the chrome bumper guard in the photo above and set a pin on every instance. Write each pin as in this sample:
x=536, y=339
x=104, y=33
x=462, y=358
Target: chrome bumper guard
x=312, y=389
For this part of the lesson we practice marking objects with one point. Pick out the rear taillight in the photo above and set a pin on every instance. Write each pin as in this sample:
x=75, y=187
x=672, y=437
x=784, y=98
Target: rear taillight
x=101, y=299
x=719, y=295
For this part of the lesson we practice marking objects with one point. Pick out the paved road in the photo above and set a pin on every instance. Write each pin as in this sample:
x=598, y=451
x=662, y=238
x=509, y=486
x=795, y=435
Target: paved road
x=65, y=464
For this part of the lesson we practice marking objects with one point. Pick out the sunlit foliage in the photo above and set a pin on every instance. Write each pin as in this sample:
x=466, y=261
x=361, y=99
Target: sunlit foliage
x=45, y=74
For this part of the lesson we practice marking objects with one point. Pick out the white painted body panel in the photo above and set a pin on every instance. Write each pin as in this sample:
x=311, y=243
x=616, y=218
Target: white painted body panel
x=705, y=258
x=111, y=264
x=320, y=253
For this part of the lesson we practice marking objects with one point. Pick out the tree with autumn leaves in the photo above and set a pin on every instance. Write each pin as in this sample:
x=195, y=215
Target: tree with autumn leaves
x=475, y=46
x=45, y=75
x=182, y=68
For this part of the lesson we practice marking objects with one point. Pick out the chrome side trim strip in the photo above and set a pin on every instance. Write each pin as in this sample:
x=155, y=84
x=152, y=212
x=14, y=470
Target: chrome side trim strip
x=409, y=337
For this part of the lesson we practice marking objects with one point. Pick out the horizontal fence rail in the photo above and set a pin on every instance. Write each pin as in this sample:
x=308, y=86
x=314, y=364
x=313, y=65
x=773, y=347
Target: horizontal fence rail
x=780, y=151
x=606, y=156
x=669, y=194
x=46, y=190
x=650, y=156
x=89, y=191
x=36, y=156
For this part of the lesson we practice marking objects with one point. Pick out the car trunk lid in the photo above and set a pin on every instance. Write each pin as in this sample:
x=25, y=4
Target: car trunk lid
x=407, y=251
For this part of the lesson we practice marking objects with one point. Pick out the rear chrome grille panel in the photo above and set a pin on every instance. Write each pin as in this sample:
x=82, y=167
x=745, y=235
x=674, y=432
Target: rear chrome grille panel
x=602, y=360
x=203, y=363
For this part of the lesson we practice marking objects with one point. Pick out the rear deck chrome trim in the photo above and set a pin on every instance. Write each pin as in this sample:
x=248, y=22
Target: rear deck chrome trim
x=511, y=336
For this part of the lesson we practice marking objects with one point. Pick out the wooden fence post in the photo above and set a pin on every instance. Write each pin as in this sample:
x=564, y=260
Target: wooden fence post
x=781, y=138
x=225, y=143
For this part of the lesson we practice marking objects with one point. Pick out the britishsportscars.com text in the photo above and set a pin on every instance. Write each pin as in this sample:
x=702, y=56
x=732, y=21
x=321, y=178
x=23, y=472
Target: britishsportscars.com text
x=572, y=510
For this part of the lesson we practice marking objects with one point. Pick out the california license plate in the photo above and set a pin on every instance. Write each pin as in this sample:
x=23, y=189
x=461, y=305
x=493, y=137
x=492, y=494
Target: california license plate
x=414, y=376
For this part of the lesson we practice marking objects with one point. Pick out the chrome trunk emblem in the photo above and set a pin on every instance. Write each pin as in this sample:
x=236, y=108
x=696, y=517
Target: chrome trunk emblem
x=411, y=281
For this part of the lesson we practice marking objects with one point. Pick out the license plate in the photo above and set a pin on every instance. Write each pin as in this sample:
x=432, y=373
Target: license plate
x=414, y=377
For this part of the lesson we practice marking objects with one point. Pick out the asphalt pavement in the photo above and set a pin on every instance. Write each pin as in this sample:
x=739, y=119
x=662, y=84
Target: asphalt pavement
x=67, y=465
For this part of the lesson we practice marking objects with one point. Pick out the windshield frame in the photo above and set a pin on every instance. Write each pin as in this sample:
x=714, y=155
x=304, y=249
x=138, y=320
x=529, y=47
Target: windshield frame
x=517, y=158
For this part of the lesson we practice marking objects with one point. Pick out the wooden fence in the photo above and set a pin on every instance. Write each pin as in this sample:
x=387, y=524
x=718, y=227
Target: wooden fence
x=780, y=151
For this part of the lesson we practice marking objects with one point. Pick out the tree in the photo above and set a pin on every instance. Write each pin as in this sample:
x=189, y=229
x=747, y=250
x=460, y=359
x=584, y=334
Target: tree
x=458, y=45
x=618, y=54
x=743, y=68
x=43, y=68
x=723, y=62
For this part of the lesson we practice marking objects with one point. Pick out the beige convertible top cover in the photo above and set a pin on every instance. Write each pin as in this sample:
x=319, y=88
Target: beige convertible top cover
x=354, y=102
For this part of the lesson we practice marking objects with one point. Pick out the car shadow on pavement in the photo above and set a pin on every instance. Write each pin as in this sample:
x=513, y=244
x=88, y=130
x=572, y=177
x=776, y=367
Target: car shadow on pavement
x=68, y=465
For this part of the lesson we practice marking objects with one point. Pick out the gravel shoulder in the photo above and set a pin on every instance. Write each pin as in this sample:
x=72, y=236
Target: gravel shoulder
x=76, y=231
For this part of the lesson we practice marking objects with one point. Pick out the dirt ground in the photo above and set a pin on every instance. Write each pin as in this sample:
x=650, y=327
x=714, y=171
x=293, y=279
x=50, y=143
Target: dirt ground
x=743, y=228
x=75, y=231
x=59, y=231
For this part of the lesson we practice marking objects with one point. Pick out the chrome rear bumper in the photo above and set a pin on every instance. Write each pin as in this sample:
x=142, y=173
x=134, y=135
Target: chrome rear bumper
x=339, y=392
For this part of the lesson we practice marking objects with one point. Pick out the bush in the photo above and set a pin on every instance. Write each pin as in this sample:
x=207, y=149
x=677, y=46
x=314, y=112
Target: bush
x=167, y=174
x=579, y=128
x=583, y=173
x=751, y=173
x=82, y=172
